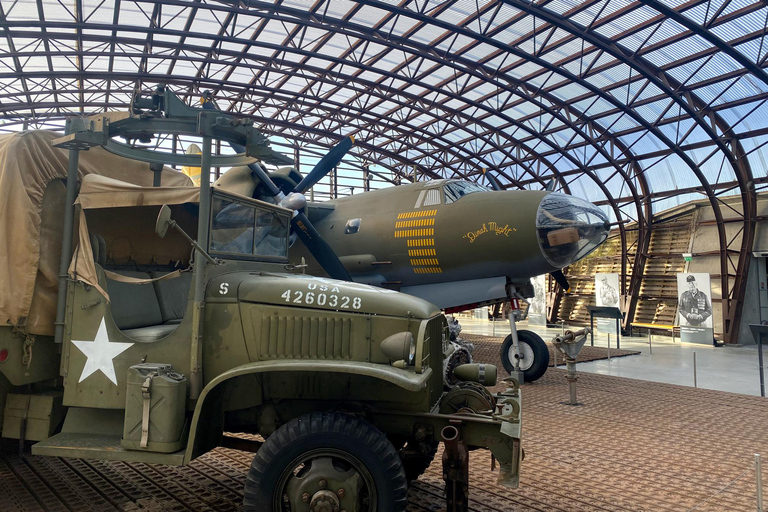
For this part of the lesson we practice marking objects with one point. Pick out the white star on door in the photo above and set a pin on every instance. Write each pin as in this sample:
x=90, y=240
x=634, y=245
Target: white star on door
x=100, y=353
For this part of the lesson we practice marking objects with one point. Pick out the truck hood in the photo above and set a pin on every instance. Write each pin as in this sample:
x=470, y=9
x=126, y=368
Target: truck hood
x=321, y=293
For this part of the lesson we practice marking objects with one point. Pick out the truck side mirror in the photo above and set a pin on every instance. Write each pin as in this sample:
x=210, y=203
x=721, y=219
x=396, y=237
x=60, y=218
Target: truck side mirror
x=163, y=221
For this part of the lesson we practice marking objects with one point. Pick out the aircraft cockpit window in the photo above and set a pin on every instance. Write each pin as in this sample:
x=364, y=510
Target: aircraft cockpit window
x=569, y=228
x=241, y=229
x=455, y=190
x=432, y=197
x=353, y=226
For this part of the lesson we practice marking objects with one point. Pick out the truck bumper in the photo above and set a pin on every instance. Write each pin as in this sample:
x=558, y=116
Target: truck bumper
x=499, y=431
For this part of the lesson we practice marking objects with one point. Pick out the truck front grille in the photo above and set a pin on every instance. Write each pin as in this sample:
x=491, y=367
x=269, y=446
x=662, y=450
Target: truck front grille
x=305, y=338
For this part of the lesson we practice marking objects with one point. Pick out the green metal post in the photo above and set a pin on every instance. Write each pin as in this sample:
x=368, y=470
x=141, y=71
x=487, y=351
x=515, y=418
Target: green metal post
x=196, y=373
x=66, y=244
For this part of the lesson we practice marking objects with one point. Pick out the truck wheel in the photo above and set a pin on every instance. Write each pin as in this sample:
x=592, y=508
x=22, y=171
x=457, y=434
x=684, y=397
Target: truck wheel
x=535, y=355
x=326, y=461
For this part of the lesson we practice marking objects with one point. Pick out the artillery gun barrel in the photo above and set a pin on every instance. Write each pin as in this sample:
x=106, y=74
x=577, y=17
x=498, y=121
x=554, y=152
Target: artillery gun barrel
x=568, y=336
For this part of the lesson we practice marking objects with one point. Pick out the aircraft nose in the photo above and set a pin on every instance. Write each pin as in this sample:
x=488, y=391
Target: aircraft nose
x=569, y=228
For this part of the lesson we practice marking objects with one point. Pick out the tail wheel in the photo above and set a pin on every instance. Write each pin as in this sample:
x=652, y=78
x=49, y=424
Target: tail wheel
x=534, y=355
x=326, y=461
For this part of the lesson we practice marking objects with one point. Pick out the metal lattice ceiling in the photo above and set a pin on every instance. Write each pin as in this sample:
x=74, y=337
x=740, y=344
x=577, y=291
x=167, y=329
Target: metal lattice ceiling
x=636, y=105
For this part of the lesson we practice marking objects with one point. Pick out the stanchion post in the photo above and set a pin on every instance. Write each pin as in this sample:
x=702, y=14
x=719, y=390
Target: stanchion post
x=609, y=347
x=760, y=358
x=758, y=330
x=695, y=384
x=650, y=342
x=759, y=480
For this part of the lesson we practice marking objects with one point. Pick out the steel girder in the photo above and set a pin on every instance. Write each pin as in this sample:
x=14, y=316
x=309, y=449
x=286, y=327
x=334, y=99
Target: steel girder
x=735, y=301
x=395, y=41
x=740, y=166
x=526, y=128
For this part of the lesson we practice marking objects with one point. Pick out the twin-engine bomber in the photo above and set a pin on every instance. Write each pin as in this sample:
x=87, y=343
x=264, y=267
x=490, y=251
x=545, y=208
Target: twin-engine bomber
x=148, y=320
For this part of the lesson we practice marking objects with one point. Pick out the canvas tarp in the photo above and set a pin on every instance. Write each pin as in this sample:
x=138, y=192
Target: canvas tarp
x=32, y=170
x=102, y=192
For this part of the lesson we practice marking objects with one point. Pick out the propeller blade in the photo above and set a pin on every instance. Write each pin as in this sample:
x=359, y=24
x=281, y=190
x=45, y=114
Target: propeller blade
x=495, y=185
x=560, y=279
x=551, y=185
x=319, y=248
x=324, y=166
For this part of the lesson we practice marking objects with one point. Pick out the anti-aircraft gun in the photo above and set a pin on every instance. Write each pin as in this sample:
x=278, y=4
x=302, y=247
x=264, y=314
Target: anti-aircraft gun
x=161, y=346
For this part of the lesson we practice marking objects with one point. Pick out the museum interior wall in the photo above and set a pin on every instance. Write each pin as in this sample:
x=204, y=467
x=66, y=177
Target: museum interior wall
x=689, y=228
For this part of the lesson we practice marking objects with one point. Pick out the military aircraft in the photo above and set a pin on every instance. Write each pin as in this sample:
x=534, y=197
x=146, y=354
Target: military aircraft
x=454, y=243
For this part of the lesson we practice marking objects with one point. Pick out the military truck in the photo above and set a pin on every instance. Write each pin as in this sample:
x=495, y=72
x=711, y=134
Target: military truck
x=165, y=343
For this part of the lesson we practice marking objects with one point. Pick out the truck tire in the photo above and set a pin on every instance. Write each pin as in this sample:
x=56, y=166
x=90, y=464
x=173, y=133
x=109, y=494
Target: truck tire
x=535, y=355
x=313, y=457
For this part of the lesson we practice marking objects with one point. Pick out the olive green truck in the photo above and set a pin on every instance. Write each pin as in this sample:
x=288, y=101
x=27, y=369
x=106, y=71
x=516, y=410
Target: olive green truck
x=148, y=320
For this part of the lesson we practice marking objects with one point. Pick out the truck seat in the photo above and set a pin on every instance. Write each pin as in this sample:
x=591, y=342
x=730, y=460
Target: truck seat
x=99, y=247
x=172, y=296
x=136, y=309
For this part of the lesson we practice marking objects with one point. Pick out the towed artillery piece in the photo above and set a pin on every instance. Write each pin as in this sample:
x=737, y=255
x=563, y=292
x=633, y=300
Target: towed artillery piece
x=146, y=348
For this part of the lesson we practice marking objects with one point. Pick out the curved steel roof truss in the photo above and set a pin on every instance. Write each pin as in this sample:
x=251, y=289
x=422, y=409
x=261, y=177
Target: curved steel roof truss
x=608, y=97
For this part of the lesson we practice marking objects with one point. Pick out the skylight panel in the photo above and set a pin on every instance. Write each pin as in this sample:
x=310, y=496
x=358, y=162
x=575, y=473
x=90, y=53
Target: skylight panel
x=370, y=16
x=398, y=25
x=335, y=8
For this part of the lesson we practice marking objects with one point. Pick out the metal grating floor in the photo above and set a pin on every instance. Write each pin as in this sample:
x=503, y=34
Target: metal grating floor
x=631, y=446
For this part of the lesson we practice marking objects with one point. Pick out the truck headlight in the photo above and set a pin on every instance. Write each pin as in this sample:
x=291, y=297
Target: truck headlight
x=400, y=347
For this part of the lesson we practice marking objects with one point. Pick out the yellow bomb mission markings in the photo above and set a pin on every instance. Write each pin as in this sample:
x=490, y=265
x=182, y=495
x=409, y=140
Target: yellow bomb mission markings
x=423, y=218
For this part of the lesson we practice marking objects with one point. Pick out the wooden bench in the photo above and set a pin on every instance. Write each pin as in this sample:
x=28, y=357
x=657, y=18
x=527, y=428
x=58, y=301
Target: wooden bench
x=663, y=327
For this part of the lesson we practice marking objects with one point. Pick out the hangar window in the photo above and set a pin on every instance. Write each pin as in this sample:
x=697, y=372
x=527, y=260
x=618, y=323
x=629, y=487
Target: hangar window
x=455, y=190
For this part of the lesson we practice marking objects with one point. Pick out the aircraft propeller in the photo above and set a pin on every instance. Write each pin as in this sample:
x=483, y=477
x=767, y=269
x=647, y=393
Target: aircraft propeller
x=495, y=185
x=560, y=279
x=296, y=201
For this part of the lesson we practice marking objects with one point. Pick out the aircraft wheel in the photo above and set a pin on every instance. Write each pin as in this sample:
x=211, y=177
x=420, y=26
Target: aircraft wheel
x=326, y=461
x=534, y=352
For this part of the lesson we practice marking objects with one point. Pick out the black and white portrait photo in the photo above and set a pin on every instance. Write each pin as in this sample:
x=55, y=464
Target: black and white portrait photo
x=606, y=295
x=607, y=290
x=694, y=302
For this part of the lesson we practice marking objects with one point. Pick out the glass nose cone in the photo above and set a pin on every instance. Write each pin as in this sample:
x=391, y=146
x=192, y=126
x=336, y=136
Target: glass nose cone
x=569, y=228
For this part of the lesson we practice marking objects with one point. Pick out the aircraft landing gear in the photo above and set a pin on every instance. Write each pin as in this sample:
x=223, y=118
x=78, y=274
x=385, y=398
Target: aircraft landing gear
x=533, y=355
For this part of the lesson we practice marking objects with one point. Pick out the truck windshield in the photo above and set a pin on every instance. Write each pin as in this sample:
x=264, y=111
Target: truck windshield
x=242, y=229
x=455, y=190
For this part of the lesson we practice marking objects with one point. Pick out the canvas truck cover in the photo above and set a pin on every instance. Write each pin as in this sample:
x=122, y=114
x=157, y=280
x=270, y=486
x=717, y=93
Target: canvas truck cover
x=101, y=192
x=32, y=197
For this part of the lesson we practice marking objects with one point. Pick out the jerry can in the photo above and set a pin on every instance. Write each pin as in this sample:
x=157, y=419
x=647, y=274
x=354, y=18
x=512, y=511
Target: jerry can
x=154, y=408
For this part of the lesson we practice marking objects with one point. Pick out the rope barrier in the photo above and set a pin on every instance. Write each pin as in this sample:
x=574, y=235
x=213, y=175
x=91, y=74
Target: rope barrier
x=721, y=490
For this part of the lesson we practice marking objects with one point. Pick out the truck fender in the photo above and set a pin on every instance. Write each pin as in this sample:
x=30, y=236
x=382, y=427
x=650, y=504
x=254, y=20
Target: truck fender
x=204, y=437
